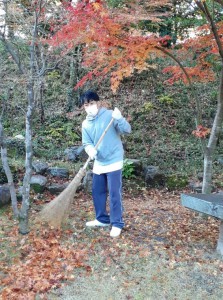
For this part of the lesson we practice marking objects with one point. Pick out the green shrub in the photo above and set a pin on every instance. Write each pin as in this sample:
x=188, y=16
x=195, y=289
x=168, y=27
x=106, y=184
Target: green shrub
x=176, y=182
x=59, y=131
x=53, y=75
x=148, y=107
x=128, y=169
x=166, y=99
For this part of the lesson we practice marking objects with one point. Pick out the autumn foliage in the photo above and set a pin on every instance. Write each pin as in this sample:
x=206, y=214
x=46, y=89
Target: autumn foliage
x=112, y=45
x=200, y=53
x=158, y=227
x=109, y=46
x=201, y=131
x=44, y=263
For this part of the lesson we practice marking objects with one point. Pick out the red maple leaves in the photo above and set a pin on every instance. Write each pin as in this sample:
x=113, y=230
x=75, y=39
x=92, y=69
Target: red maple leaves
x=109, y=45
x=201, y=131
x=43, y=264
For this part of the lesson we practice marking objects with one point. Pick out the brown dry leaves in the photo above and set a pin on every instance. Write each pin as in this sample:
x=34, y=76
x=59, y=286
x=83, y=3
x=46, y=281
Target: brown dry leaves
x=155, y=224
x=44, y=263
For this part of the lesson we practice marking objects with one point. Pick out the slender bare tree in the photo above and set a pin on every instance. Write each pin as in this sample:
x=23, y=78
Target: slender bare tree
x=21, y=29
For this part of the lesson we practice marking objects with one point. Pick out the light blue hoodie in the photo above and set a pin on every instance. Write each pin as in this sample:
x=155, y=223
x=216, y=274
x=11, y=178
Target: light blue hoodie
x=110, y=149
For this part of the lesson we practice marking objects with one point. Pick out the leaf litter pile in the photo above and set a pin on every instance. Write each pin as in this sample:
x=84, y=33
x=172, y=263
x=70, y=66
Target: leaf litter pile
x=156, y=225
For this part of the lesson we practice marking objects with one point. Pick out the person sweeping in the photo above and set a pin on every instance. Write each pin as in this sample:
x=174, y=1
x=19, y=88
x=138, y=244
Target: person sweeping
x=108, y=160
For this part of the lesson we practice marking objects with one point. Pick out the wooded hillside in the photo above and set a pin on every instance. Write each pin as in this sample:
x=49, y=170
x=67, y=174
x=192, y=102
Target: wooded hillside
x=160, y=62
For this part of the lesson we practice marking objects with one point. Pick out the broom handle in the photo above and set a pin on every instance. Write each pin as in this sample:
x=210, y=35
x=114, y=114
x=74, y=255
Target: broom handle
x=99, y=141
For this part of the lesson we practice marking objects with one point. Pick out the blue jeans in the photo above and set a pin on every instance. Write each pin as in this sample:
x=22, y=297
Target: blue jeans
x=102, y=185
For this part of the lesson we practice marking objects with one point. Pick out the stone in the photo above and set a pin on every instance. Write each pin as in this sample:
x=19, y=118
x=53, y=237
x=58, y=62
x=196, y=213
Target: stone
x=58, y=172
x=153, y=176
x=5, y=197
x=19, y=137
x=56, y=188
x=196, y=187
x=74, y=153
x=38, y=183
x=87, y=181
x=3, y=177
x=220, y=160
x=40, y=167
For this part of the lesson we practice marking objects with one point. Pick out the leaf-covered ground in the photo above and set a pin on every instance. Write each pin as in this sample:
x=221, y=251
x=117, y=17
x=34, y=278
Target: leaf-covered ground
x=164, y=252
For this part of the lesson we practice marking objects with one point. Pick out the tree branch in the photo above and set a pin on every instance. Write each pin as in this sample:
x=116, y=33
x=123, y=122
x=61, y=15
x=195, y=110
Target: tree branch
x=198, y=119
x=11, y=51
x=44, y=70
x=200, y=5
x=213, y=28
x=219, y=1
x=177, y=61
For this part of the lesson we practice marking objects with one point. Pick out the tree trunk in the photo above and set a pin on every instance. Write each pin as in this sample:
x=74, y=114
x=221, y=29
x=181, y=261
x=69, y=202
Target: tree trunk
x=75, y=62
x=8, y=173
x=24, y=211
x=32, y=73
x=42, y=112
x=210, y=149
x=70, y=91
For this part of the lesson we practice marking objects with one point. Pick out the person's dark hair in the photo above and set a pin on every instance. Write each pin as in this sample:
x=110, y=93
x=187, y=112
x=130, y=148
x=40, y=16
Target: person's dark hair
x=88, y=97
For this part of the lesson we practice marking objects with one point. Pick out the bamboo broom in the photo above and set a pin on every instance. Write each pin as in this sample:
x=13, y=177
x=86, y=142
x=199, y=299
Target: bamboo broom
x=56, y=212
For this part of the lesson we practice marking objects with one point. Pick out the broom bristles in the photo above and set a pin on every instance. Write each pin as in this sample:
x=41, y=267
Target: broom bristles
x=56, y=212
